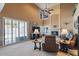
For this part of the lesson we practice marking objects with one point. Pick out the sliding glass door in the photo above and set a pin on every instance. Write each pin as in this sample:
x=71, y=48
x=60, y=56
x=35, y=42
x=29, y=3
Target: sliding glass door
x=8, y=33
x=25, y=29
x=22, y=31
x=15, y=31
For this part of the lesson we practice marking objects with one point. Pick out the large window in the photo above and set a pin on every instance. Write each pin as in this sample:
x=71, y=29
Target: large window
x=8, y=31
x=25, y=28
x=15, y=31
x=22, y=28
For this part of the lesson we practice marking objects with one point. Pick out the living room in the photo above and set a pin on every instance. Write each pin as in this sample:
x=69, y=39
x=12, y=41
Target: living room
x=19, y=22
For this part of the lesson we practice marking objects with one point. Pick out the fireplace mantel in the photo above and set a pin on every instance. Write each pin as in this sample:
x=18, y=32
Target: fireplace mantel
x=56, y=30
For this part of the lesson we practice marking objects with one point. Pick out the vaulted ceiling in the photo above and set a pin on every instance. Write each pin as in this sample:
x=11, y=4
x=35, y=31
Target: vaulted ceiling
x=1, y=6
x=44, y=5
x=26, y=10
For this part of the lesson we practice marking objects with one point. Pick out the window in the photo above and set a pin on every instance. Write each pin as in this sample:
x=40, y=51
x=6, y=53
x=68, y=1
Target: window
x=22, y=28
x=25, y=28
x=15, y=31
x=7, y=31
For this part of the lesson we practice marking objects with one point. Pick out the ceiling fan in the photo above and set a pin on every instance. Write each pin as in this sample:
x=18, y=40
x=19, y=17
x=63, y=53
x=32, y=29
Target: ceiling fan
x=47, y=9
x=44, y=13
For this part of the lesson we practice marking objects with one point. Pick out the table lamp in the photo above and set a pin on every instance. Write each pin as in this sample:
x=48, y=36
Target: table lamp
x=36, y=32
x=64, y=31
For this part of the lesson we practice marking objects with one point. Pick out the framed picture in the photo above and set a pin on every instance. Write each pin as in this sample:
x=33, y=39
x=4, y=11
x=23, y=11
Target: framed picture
x=43, y=15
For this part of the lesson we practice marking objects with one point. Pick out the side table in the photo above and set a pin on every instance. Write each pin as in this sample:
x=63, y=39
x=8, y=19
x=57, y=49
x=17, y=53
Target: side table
x=35, y=44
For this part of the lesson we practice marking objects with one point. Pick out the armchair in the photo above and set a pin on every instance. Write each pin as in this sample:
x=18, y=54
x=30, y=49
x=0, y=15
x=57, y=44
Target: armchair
x=69, y=43
x=50, y=44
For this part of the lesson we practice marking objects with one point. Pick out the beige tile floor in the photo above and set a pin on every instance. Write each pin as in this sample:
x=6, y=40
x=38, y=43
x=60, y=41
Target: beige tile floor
x=23, y=49
x=27, y=49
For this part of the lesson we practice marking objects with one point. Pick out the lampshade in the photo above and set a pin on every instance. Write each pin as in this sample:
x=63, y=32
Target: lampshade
x=64, y=31
x=36, y=31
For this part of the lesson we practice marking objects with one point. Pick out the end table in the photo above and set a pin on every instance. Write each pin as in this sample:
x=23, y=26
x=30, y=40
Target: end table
x=35, y=44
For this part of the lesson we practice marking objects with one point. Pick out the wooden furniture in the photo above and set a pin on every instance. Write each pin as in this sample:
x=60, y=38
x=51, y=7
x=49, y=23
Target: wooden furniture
x=71, y=53
x=71, y=43
x=33, y=36
x=60, y=53
x=50, y=44
x=35, y=44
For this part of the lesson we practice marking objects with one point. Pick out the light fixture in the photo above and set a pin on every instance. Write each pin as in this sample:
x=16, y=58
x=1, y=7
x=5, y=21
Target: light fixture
x=36, y=32
x=44, y=13
x=64, y=31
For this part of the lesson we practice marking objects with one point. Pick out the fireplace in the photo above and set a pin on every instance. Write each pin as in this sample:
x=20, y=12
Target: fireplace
x=55, y=33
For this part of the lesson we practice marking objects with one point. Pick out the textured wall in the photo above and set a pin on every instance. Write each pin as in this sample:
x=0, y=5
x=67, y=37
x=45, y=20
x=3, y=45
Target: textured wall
x=66, y=15
x=54, y=18
x=28, y=12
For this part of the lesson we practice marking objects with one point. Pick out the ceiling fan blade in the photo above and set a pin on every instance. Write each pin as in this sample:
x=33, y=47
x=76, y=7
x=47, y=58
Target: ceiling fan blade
x=50, y=9
x=49, y=12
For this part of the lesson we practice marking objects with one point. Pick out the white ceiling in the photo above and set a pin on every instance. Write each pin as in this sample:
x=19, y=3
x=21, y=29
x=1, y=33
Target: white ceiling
x=1, y=6
x=43, y=5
